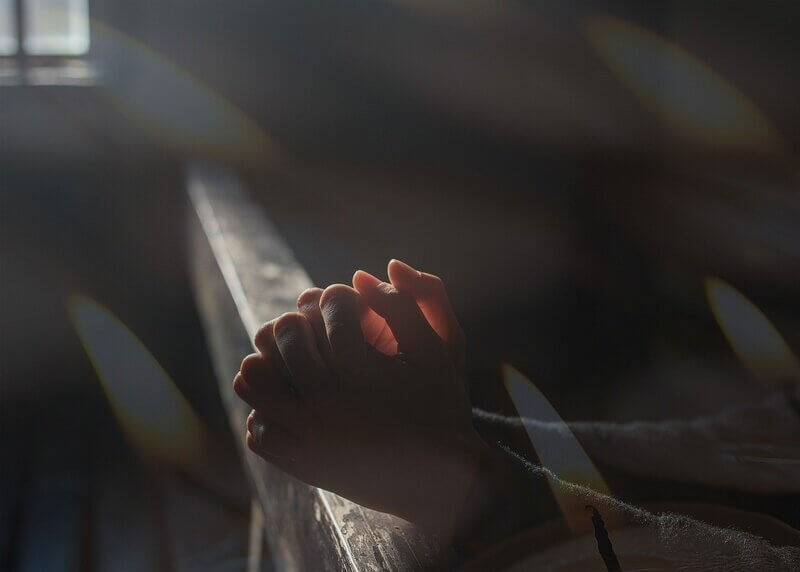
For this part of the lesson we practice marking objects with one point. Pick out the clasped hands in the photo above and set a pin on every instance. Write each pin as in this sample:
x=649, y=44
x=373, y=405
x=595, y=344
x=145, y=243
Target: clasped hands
x=362, y=392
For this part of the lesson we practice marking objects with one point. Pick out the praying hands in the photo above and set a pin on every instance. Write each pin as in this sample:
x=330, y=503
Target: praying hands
x=362, y=392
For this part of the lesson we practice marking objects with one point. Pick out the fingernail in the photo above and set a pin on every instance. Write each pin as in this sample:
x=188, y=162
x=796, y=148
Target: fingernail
x=365, y=277
x=402, y=266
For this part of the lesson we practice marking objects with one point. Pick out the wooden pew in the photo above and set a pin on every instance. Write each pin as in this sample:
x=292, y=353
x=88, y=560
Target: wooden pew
x=243, y=275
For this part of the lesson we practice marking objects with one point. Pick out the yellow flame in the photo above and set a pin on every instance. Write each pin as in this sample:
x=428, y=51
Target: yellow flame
x=151, y=410
x=173, y=105
x=756, y=342
x=687, y=94
x=558, y=449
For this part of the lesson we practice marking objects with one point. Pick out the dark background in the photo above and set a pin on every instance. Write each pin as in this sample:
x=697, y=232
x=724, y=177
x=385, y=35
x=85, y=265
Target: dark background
x=488, y=143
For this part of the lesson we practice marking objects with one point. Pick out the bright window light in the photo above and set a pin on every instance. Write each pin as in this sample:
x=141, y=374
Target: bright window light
x=56, y=27
x=8, y=28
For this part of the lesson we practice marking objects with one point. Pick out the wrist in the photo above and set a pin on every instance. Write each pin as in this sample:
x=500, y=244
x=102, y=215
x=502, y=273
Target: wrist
x=470, y=494
x=505, y=498
x=446, y=479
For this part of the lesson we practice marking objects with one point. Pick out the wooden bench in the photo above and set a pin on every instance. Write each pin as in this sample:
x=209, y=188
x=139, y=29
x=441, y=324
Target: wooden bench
x=243, y=275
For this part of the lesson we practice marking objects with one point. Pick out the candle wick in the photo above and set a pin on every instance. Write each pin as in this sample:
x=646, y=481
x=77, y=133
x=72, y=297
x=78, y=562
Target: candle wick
x=604, y=545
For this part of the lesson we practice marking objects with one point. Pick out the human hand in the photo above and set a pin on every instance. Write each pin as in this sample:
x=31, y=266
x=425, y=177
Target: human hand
x=362, y=392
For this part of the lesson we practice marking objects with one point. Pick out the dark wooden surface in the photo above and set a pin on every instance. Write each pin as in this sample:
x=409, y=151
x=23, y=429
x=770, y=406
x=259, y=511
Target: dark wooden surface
x=243, y=275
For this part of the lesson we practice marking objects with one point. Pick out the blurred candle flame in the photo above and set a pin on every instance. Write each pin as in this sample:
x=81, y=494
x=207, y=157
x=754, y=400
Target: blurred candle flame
x=151, y=410
x=688, y=95
x=174, y=106
x=756, y=342
x=558, y=449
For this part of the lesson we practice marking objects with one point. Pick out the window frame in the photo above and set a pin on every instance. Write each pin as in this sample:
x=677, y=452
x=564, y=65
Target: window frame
x=32, y=69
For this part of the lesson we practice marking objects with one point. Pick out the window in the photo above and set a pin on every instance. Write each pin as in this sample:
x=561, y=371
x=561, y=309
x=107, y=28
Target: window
x=55, y=27
x=42, y=41
x=9, y=41
x=44, y=27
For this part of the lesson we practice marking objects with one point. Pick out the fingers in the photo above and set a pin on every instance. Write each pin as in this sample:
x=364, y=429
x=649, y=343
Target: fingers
x=269, y=439
x=341, y=312
x=288, y=358
x=431, y=296
x=264, y=340
x=308, y=305
x=377, y=332
x=297, y=345
x=414, y=335
x=262, y=387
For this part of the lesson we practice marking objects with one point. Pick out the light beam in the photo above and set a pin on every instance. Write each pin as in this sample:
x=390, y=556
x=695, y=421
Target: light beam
x=149, y=407
x=688, y=95
x=558, y=450
x=756, y=342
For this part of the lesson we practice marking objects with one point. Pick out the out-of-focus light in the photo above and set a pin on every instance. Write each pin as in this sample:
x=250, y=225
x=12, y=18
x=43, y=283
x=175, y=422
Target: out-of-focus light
x=73, y=72
x=687, y=94
x=173, y=106
x=9, y=41
x=56, y=27
x=558, y=449
x=153, y=413
x=756, y=342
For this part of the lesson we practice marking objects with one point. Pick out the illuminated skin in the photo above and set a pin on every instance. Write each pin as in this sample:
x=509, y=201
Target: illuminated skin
x=362, y=392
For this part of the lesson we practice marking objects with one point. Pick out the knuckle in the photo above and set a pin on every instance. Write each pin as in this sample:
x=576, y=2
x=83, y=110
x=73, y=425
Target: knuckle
x=251, y=364
x=309, y=296
x=387, y=289
x=264, y=334
x=336, y=294
x=239, y=384
x=394, y=299
x=288, y=323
